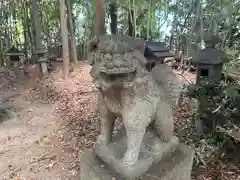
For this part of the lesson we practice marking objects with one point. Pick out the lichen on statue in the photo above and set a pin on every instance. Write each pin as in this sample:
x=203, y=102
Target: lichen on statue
x=128, y=91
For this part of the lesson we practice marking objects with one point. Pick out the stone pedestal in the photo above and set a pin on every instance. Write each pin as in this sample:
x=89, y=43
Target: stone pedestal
x=42, y=60
x=43, y=63
x=16, y=73
x=157, y=160
x=152, y=151
x=175, y=166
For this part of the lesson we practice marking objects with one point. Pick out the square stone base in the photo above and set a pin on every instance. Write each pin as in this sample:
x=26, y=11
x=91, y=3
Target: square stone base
x=175, y=166
x=150, y=153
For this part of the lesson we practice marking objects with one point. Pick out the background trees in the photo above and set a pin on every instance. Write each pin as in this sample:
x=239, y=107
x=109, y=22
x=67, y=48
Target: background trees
x=182, y=24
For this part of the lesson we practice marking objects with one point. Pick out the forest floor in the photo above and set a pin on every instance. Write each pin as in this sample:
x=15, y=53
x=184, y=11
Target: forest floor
x=38, y=142
x=56, y=119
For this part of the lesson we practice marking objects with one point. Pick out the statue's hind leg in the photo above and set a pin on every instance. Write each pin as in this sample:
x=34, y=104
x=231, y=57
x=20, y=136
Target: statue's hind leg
x=163, y=123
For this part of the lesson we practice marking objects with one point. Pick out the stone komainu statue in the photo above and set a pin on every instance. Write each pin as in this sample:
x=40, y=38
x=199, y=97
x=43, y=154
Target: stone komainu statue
x=128, y=91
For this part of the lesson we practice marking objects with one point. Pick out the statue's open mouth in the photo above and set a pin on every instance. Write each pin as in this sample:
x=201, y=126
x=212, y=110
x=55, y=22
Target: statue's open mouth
x=119, y=77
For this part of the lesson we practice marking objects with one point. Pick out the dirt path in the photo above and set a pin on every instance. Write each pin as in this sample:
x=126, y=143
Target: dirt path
x=42, y=140
x=26, y=143
x=33, y=143
x=39, y=144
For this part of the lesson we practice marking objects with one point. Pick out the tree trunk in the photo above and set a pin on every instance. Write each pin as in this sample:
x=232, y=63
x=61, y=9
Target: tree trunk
x=71, y=30
x=130, y=24
x=64, y=36
x=37, y=26
x=149, y=19
x=10, y=28
x=134, y=18
x=24, y=24
x=7, y=31
x=100, y=17
x=30, y=30
x=174, y=26
x=113, y=14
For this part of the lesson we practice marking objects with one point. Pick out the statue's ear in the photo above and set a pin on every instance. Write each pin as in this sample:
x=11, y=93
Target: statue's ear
x=91, y=49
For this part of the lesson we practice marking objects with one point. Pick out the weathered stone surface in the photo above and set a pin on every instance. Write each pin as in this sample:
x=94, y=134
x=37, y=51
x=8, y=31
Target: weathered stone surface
x=33, y=71
x=127, y=90
x=176, y=166
x=152, y=151
x=170, y=83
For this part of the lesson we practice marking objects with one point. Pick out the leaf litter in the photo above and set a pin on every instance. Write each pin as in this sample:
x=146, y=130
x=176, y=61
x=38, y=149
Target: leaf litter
x=74, y=103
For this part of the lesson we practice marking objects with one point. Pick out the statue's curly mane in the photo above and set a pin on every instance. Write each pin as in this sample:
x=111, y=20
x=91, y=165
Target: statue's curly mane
x=112, y=55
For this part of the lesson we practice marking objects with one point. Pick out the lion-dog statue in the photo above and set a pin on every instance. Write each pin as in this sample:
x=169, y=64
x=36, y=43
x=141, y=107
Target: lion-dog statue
x=128, y=91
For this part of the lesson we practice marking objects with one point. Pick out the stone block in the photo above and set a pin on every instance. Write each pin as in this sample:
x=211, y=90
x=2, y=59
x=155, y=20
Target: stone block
x=175, y=166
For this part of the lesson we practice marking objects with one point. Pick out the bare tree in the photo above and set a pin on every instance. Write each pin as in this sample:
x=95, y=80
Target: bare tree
x=100, y=17
x=37, y=25
x=71, y=31
x=64, y=36
x=131, y=29
x=113, y=14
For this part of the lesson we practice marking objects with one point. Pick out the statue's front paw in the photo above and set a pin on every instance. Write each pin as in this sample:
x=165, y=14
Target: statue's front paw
x=130, y=158
x=101, y=141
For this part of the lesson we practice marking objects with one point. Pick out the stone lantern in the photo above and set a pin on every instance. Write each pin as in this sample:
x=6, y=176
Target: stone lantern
x=14, y=56
x=14, y=61
x=209, y=69
x=42, y=60
x=210, y=62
